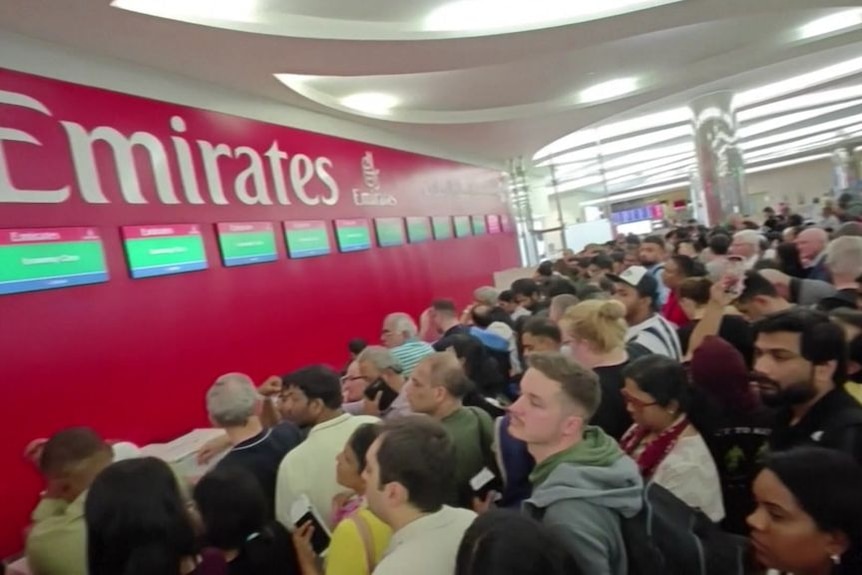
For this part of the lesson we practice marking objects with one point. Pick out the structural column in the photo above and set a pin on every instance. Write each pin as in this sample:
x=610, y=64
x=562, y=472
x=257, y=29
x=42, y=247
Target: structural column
x=845, y=172
x=720, y=166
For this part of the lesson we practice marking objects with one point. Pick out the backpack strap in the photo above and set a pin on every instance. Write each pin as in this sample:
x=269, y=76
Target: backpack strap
x=367, y=540
x=485, y=443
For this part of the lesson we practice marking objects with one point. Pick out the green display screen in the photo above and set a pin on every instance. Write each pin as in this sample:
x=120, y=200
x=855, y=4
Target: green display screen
x=164, y=250
x=390, y=232
x=462, y=226
x=50, y=258
x=244, y=243
x=307, y=238
x=442, y=226
x=352, y=235
x=418, y=229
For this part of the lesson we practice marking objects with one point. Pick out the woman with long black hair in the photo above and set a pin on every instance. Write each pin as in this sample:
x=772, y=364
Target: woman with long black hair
x=139, y=524
x=235, y=514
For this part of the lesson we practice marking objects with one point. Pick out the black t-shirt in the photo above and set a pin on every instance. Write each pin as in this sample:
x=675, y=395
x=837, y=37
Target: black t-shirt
x=733, y=329
x=737, y=443
x=262, y=454
x=612, y=415
x=273, y=552
x=834, y=422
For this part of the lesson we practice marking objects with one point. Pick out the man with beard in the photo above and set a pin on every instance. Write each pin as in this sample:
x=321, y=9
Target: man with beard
x=800, y=366
x=652, y=256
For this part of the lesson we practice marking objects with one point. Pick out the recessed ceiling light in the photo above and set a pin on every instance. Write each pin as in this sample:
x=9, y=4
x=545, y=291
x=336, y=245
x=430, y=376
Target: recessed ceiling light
x=608, y=90
x=832, y=23
x=229, y=10
x=375, y=103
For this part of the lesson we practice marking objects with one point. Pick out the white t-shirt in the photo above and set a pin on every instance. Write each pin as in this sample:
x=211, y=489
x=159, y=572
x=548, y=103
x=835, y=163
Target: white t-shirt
x=657, y=335
x=428, y=546
x=689, y=472
x=309, y=469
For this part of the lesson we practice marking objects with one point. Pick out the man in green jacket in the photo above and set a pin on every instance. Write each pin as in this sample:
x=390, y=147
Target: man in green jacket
x=583, y=484
x=437, y=388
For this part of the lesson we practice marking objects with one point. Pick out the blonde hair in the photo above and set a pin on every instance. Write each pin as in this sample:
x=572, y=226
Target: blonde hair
x=601, y=323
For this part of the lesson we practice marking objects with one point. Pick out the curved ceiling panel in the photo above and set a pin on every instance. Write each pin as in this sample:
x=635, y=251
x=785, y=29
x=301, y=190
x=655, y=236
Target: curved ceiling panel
x=385, y=20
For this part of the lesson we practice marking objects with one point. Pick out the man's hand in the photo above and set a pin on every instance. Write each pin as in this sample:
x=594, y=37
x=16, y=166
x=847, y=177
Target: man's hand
x=33, y=451
x=372, y=407
x=271, y=387
x=212, y=448
x=481, y=506
x=721, y=293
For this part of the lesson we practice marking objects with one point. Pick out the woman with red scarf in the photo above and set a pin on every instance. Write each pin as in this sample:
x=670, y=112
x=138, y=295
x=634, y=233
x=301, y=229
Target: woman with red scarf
x=677, y=269
x=666, y=446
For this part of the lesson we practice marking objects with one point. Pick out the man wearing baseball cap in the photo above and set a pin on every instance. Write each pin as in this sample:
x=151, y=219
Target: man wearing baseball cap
x=638, y=291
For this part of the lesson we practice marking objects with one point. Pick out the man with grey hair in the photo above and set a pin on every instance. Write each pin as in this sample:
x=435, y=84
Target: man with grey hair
x=400, y=335
x=844, y=264
x=385, y=376
x=234, y=404
x=811, y=243
x=746, y=244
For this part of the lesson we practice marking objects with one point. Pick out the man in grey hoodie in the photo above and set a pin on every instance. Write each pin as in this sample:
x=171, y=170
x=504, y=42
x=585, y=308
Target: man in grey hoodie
x=583, y=484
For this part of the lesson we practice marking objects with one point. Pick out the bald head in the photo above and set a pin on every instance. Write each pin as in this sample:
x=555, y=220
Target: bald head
x=811, y=242
x=775, y=277
x=443, y=369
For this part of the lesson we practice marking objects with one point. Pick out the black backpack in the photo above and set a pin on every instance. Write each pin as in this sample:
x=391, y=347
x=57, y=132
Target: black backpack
x=667, y=537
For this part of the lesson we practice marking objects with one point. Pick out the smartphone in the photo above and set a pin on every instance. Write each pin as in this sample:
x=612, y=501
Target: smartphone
x=484, y=482
x=302, y=512
x=389, y=394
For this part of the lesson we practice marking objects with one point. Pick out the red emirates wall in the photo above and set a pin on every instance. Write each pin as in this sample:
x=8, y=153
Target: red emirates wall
x=132, y=358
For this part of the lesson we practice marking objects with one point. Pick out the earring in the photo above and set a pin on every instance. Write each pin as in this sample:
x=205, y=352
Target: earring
x=836, y=558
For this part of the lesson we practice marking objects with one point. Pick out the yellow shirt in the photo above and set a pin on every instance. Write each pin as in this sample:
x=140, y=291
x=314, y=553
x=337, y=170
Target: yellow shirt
x=56, y=545
x=347, y=554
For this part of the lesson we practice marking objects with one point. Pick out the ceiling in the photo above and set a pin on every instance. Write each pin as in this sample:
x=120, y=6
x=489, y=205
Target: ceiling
x=486, y=79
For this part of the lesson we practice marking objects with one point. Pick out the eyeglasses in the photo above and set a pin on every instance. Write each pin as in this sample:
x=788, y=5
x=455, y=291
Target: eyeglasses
x=639, y=403
x=348, y=379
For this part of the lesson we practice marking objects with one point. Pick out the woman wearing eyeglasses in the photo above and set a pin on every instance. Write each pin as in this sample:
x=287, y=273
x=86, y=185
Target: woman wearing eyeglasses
x=667, y=447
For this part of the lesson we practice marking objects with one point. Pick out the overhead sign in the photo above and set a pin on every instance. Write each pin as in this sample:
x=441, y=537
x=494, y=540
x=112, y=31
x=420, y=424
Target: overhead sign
x=40, y=259
x=352, y=235
x=163, y=250
x=462, y=226
x=479, y=226
x=244, y=243
x=390, y=231
x=307, y=238
x=418, y=229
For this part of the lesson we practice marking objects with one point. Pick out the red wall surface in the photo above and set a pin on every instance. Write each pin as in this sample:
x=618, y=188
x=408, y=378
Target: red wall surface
x=132, y=358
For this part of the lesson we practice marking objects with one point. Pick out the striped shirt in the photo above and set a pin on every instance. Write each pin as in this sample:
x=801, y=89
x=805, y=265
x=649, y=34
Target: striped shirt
x=410, y=354
x=657, y=335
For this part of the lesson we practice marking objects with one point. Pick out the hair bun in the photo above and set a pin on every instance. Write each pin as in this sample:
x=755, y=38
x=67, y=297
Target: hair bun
x=612, y=310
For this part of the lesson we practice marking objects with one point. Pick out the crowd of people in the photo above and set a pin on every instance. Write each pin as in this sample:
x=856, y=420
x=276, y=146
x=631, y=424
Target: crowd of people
x=703, y=383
